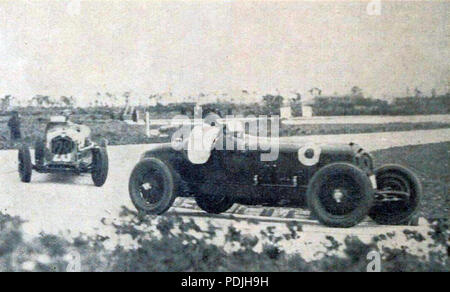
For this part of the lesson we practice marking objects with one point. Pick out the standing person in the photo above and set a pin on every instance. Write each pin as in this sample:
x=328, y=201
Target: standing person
x=14, y=126
x=134, y=116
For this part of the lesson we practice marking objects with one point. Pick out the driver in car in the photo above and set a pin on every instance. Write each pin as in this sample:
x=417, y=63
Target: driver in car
x=82, y=129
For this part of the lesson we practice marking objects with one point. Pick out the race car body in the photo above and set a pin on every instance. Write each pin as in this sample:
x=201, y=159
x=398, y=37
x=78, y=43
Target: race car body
x=65, y=148
x=336, y=181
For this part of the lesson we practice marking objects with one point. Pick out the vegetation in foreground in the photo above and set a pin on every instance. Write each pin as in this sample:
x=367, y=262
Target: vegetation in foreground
x=164, y=249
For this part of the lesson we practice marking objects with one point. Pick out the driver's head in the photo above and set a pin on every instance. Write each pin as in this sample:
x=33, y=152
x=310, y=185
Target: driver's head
x=67, y=114
x=211, y=118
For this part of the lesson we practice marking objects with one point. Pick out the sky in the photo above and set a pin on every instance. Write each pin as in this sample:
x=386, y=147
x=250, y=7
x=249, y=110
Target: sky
x=80, y=48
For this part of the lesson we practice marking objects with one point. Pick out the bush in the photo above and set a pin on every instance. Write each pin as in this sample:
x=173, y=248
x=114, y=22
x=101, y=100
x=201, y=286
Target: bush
x=348, y=105
x=167, y=244
x=272, y=104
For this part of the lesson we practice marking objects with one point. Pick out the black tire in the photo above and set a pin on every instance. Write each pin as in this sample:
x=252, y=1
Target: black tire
x=215, y=203
x=340, y=195
x=39, y=152
x=25, y=166
x=398, y=178
x=153, y=186
x=100, y=165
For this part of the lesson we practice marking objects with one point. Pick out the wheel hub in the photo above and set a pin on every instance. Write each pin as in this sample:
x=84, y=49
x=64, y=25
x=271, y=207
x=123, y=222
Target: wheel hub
x=150, y=189
x=147, y=186
x=338, y=195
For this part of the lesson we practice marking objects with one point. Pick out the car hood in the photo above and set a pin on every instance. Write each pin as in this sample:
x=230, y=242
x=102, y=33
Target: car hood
x=78, y=133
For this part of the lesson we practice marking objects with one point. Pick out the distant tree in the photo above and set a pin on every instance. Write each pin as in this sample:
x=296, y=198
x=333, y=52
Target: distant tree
x=273, y=103
x=111, y=99
x=297, y=98
x=43, y=101
x=433, y=92
x=5, y=102
x=315, y=91
x=126, y=96
x=356, y=91
x=417, y=92
x=66, y=101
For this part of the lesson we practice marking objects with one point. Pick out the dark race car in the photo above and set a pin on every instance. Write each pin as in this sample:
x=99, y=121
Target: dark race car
x=336, y=181
x=66, y=148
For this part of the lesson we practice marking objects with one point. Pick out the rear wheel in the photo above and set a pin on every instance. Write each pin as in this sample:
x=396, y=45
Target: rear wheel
x=397, y=197
x=25, y=166
x=340, y=195
x=100, y=166
x=214, y=203
x=152, y=186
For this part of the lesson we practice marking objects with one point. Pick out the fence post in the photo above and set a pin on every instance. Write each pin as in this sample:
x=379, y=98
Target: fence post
x=147, y=123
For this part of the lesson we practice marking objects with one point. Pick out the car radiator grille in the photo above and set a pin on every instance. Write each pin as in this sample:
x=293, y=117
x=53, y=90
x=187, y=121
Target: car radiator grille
x=62, y=145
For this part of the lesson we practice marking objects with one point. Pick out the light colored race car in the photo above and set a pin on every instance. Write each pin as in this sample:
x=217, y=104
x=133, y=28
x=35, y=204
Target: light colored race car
x=66, y=148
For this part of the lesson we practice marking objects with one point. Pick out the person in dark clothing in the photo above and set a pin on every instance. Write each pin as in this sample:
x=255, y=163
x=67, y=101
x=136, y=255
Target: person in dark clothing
x=14, y=126
x=134, y=116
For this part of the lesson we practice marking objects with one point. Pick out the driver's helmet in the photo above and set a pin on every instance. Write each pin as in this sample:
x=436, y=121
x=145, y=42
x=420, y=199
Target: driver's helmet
x=67, y=114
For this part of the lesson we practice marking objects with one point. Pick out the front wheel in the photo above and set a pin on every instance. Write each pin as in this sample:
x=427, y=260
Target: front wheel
x=340, y=195
x=397, y=197
x=100, y=166
x=215, y=203
x=25, y=165
x=152, y=186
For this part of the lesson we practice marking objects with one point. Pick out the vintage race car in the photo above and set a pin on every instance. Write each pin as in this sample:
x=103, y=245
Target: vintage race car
x=337, y=182
x=66, y=148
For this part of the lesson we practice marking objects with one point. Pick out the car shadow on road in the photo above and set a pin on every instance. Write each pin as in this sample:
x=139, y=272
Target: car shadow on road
x=228, y=216
x=69, y=179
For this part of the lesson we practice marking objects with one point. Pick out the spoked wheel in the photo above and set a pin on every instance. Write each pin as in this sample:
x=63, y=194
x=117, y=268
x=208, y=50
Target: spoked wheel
x=397, y=197
x=25, y=166
x=152, y=186
x=100, y=165
x=340, y=195
x=214, y=203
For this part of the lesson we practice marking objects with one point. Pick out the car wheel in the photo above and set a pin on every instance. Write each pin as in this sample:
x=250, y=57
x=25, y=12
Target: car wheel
x=152, y=186
x=25, y=166
x=398, y=196
x=99, y=166
x=214, y=203
x=340, y=195
x=39, y=152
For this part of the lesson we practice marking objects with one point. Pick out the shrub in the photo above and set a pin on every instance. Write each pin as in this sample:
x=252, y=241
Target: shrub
x=169, y=245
